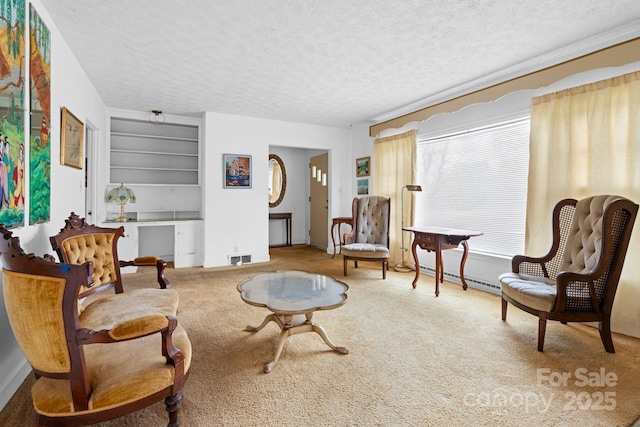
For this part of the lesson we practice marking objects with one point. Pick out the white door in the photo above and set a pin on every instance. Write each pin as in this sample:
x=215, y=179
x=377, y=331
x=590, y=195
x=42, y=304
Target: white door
x=319, y=202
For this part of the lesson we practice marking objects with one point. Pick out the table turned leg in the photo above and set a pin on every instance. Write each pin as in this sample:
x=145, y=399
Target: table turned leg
x=320, y=331
x=270, y=318
x=465, y=253
x=281, y=340
x=415, y=260
x=333, y=240
x=439, y=266
x=286, y=323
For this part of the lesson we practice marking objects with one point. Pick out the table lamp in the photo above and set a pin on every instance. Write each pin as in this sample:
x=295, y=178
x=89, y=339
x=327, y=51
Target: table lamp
x=402, y=267
x=121, y=196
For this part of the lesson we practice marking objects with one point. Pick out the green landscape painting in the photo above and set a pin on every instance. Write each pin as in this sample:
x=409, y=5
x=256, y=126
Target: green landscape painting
x=39, y=143
x=12, y=112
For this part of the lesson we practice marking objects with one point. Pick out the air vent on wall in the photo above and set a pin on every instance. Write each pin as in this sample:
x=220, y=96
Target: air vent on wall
x=239, y=259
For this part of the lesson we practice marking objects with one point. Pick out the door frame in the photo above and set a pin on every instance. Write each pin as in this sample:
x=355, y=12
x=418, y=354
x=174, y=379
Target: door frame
x=90, y=173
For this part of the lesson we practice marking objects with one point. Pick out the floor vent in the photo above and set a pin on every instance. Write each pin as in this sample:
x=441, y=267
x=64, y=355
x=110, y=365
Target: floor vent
x=239, y=259
x=474, y=283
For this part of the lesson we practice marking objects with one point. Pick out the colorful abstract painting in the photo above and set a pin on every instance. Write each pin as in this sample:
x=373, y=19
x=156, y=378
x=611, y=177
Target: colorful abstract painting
x=237, y=171
x=12, y=111
x=39, y=143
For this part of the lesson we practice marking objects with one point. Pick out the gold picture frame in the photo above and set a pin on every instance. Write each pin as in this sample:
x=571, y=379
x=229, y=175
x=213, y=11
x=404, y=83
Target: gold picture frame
x=362, y=166
x=71, y=140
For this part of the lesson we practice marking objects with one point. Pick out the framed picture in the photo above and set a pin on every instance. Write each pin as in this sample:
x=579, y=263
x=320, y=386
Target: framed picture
x=362, y=166
x=237, y=170
x=71, y=140
x=363, y=186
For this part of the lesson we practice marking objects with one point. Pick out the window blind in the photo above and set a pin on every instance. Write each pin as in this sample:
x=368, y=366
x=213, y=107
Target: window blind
x=476, y=180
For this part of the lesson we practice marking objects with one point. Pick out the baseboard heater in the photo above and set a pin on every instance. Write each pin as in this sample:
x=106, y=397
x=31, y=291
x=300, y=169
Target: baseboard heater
x=239, y=259
x=474, y=283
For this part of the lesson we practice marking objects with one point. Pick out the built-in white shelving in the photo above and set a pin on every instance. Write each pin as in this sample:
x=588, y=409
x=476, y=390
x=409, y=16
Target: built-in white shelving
x=144, y=153
x=161, y=164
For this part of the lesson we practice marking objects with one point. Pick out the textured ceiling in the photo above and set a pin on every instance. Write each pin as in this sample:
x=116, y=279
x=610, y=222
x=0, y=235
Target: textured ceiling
x=326, y=62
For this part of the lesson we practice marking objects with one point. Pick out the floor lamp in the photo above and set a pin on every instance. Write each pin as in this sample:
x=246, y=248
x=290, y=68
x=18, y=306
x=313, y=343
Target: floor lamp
x=402, y=267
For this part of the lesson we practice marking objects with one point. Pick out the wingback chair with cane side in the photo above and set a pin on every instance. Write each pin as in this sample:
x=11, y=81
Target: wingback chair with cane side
x=86, y=375
x=79, y=242
x=576, y=280
x=368, y=239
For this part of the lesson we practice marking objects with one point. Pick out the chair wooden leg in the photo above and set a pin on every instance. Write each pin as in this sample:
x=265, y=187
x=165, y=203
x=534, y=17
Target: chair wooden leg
x=384, y=270
x=344, y=266
x=504, y=309
x=542, y=328
x=605, y=335
x=173, y=405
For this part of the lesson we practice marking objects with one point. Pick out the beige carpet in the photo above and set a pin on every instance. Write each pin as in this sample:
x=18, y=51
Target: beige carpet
x=415, y=360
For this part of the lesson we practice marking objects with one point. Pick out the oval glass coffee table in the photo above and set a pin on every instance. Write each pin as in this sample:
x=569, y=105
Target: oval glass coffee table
x=293, y=297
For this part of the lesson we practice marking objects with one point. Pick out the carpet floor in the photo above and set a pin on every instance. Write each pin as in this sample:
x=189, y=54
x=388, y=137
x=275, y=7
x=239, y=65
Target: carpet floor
x=414, y=359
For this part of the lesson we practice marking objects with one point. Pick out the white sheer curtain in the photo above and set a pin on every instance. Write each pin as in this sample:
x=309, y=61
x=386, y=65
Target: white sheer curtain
x=393, y=167
x=586, y=141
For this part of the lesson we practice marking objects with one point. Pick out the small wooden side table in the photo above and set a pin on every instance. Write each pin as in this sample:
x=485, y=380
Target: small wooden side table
x=338, y=221
x=438, y=239
x=287, y=217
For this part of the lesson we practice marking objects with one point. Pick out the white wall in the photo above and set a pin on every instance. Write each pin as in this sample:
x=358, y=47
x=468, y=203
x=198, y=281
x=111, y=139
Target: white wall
x=70, y=88
x=362, y=147
x=237, y=220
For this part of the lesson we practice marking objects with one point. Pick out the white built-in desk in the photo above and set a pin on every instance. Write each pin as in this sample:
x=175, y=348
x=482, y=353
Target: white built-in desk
x=179, y=241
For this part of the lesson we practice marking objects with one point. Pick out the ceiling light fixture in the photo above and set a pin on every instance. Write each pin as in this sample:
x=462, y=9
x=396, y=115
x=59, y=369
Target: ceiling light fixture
x=156, y=117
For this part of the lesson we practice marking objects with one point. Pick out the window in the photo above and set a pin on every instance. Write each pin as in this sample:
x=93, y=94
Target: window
x=477, y=180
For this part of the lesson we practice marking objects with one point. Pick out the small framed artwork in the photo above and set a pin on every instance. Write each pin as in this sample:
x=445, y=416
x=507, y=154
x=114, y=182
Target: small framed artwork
x=363, y=186
x=236, y=169
x=71, y=140
x=362, y=166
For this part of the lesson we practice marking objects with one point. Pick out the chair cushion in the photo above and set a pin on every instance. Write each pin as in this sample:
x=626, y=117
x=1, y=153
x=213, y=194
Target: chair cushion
x=116, y=377
x=104, y=312
x=538, y=293
x=365, y=250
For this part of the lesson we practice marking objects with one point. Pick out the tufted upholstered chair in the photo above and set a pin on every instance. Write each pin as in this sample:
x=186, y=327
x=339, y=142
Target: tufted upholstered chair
x=368, y=239
x=577, y=280
x=85, y=375
x=78, y=242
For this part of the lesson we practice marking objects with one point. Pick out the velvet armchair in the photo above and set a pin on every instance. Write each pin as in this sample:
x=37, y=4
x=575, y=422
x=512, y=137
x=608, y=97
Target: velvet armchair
x=85, y=375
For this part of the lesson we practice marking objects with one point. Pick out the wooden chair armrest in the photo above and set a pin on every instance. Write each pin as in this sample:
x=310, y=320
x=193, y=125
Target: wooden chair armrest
x=127, y=330
x=566, y=279
x=349, y=237
x=530, y=265
x=150, y=261
x=138, y=328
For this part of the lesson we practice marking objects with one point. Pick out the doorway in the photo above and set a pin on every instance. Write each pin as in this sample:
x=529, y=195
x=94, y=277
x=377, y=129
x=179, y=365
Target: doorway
x=319, y=202
x=90, y=161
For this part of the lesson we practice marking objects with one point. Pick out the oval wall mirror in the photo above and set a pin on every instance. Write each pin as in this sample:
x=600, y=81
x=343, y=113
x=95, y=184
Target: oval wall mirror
x=277, y=180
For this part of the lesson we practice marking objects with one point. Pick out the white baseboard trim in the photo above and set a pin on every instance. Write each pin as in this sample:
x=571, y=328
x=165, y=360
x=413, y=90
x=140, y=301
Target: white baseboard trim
x=12, y=382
